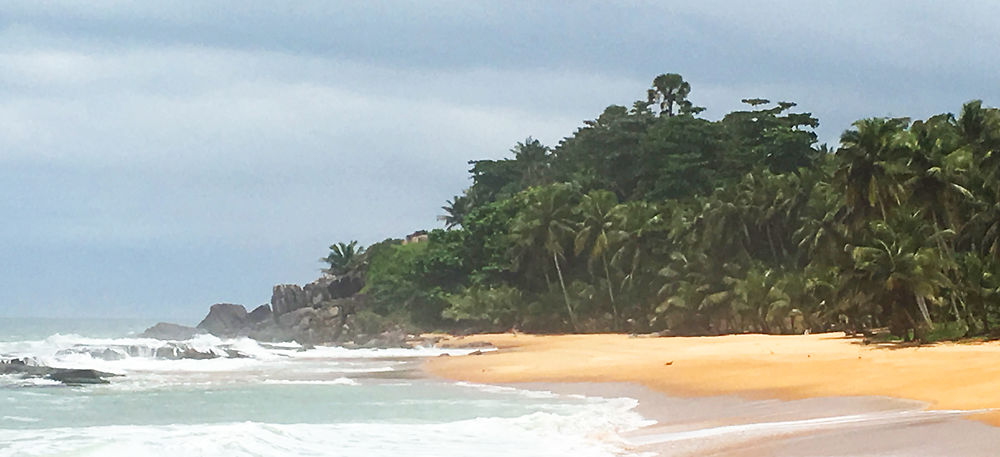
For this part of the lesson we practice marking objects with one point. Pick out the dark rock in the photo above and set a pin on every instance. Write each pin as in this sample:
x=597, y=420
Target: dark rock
x=469, y=345
x=424, y=341
x=67, y=376
x=79, y=377
x=168, y=331
x=345, y=286
x=317, y=291
x=388, y=339
x=286, y=298
x=225, y=320
x=111, y=354
x=260, y=314
x=298, y=319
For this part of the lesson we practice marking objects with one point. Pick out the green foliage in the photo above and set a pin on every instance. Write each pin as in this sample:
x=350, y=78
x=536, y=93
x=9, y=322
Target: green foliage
x=499, y=307
x=650, y=218
x=414, y=278
x=343, y=258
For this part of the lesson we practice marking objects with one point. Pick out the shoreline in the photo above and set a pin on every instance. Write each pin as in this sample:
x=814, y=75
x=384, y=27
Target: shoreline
x=943, y=384
x=818, y=427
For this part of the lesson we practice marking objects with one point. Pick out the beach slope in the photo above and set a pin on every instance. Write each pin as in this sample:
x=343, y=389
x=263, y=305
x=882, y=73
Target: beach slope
x=945, y=376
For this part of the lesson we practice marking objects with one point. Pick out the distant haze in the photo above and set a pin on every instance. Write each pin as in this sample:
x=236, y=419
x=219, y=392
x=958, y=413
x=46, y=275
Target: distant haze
x=159, y=157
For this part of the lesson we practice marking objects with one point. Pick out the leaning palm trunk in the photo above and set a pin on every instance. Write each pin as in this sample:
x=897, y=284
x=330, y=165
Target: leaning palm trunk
x=922, y=305
x=611, y=293
x=562, y=283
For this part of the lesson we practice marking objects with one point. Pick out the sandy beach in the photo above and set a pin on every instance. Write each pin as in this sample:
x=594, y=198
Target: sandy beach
x=752, y=368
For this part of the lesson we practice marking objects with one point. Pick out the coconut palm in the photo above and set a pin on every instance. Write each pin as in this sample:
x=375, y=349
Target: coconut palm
x=544, y=227
x=902, y=266
x=455, y=211
x=343, y=257
x=871, y=168
x=639, y=233
x=596, y=212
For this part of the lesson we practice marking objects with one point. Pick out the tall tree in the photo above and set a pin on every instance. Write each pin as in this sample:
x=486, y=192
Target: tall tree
x=343, y=257
x=871, y=168
x=544, y=226
x=670, y=90
x=595, y=235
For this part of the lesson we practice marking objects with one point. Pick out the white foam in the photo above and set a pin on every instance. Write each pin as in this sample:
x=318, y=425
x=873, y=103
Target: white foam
x=342, y=381
x=18, y=381
x=510, y=390
x=19, y=419
x=336, y=352
x=763, y=429
x=586, y=434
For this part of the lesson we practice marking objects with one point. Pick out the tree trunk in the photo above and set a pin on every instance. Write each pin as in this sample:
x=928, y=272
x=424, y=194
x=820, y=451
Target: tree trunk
x=611, y=294
x=770, y=242
x=922, y=305
x=562, y=283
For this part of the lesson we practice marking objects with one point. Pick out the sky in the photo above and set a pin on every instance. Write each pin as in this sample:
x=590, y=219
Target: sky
x=158, y=157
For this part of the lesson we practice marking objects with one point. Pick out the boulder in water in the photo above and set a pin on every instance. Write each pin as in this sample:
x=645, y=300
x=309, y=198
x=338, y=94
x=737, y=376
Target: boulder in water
x=79, y=377
x=73, y=377
x=225, y=320
x=168, y=331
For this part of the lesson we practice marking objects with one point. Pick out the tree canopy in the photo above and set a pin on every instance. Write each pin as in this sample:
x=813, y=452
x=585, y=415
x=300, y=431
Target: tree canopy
x=652, y=218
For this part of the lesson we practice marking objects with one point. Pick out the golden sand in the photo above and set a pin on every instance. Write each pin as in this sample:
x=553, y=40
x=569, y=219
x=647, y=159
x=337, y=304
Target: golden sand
x=946, y=376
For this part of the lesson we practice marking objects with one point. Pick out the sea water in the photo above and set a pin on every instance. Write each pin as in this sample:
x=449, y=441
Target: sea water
x=277, y=400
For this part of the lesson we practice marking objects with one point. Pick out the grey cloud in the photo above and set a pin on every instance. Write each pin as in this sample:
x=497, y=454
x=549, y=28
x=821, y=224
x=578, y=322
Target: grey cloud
x=164, y=155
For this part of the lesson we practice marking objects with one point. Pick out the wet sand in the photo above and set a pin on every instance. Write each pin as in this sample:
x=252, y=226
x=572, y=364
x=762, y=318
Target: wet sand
x=731, y=426
x=719, y=395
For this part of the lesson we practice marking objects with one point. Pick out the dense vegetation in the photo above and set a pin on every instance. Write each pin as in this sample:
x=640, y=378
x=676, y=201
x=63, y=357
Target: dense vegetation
x=650, y=218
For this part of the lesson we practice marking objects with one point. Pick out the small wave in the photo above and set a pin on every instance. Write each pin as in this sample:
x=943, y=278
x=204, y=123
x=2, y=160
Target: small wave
x=395, y=353
x=591, y=432
x=19, y=419
x=343, y=381
x=776, y=428
x=18, y=381
x=510, y=390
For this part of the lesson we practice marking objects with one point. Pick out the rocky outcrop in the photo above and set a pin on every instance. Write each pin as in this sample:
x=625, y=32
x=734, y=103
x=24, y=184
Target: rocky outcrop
x=168, y=331
x=225, y=320
x=26, y=369
x=286, y=298
x=321, y=312
x=173, y=350
x=260, y=314
x=344, y=286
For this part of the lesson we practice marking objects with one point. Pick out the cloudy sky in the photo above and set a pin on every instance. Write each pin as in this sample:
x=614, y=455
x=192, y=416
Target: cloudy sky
x=157, y=157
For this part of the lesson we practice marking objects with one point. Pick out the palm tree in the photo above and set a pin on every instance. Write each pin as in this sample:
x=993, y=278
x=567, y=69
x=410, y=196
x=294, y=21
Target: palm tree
x=532, y=158
x=596, y=210
x=455, y=211
x=871, y=168
x=901, y=265
x=759, y=298
x=343, y=257
x=937, y=183
x=980, y=288
x=543, y=226
x=637, y=231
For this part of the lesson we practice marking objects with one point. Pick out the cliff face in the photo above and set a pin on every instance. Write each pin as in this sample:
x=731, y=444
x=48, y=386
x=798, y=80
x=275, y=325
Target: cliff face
x=321, y=312
x=318, y=313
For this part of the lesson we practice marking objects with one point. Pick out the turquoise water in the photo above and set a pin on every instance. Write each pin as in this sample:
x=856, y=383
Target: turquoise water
x=276, y=400
x=21, y=329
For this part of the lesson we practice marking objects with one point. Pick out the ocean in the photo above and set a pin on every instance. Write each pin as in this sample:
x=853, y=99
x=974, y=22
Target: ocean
x=258, y=399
